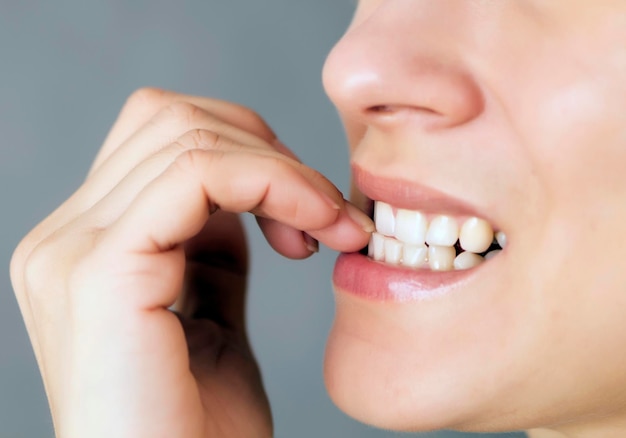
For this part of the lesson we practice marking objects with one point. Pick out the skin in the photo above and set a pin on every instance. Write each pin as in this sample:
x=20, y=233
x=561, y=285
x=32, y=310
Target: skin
x=153, y=227
x=517, y=108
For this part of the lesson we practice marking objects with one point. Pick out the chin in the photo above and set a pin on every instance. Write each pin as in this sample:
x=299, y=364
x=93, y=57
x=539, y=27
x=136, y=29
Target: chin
x=422, y=365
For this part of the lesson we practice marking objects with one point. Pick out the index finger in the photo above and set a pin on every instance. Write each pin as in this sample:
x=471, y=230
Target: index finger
x=175, y=206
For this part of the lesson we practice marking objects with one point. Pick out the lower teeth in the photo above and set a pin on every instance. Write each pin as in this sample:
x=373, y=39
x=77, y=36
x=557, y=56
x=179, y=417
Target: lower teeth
x=438, y=258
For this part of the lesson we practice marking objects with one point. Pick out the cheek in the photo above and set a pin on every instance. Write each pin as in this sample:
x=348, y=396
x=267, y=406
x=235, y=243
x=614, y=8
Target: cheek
x=570, y=116
x=571, y=112
x=583, y=141
x=577, y=144
x=574, y=134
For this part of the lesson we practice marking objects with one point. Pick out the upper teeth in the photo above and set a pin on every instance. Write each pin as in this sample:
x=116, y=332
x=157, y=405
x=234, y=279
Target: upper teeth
x=406, y=237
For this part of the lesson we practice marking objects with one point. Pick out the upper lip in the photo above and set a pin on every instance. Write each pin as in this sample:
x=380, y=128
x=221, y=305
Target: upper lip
x=411, y=195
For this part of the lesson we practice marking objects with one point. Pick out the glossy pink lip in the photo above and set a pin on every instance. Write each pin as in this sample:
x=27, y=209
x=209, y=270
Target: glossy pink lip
x=359, y=275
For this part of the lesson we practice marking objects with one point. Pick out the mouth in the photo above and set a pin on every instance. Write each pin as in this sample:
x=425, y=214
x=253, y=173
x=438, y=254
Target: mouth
x=426, y=243
x=439, y=242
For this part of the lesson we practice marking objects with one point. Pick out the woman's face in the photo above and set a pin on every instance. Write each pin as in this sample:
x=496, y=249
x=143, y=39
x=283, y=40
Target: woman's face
x=513, y=111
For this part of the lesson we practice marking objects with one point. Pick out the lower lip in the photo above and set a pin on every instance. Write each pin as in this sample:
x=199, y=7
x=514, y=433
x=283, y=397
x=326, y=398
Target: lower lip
x=359, y=275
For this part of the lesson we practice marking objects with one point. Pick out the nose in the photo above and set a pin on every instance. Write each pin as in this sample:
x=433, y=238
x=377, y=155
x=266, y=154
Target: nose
x=404, y=59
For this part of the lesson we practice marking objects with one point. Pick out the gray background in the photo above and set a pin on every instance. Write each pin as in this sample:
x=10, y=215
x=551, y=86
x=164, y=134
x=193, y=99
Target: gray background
x=67, y=67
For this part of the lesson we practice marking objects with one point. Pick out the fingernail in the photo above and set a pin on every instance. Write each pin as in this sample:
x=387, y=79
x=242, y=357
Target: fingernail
x=360, y=218
x=311, y=244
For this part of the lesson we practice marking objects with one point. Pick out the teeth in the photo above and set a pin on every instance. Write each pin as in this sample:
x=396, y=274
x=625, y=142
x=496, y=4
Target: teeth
x=405, y=238
x=501, y=238
x=476, y=235
x=411, y=227
x=441, y=258
x=384, y=218
x=377, y=247
x=415, y=256
x=467, y=260
x=443, y=231
x=389, y=250
x=492, y=254
x=393, y=251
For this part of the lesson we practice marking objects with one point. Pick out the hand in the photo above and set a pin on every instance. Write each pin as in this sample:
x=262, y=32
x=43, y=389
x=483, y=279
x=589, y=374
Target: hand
x=154, y=226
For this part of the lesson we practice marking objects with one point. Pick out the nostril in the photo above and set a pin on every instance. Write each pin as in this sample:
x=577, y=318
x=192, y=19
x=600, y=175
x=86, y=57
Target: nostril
x=381, y=109
x=389, y=109
x=397, y=108
x=391, y=115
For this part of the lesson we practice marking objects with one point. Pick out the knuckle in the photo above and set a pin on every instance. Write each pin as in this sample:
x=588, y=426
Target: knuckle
x=39, y=266
x=23, y=253
x=146, y=98
x=201, y=139
x=204, y=139
x=185, y=114
x=57, y=262
x=198, y=161
x=188, y=141
x=188, y=161
x=18, y=261
x=255, y=122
